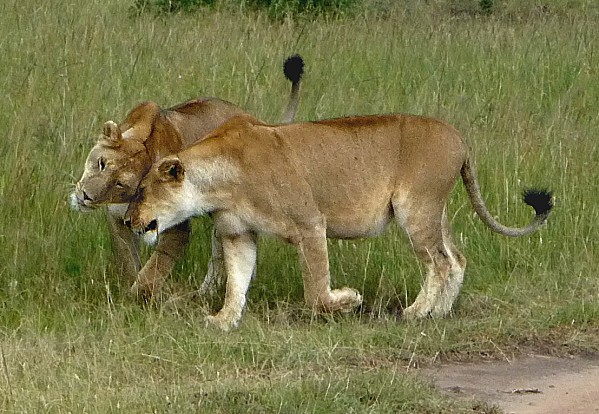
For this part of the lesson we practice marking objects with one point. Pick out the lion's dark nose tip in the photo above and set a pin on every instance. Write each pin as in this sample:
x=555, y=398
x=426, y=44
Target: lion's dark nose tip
x=127, y=222
x=153, y=225
x=86, y=197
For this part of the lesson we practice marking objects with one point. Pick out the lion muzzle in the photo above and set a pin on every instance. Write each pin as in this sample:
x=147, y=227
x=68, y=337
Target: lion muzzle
x=81, y=201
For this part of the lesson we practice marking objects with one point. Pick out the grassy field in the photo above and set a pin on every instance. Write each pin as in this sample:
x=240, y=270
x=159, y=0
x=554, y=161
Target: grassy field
x=521, y=84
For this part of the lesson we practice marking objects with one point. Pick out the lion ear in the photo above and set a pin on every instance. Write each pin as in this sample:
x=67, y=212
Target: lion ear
x=139, y=123
x=111, y=133
x=171, y=170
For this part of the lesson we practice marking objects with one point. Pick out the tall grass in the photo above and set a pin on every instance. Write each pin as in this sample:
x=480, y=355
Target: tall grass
x=521, y=85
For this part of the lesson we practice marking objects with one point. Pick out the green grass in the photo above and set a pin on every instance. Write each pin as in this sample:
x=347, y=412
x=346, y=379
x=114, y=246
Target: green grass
x=521, y=85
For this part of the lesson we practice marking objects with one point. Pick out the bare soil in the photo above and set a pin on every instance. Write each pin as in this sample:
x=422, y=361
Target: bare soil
x=525, y=385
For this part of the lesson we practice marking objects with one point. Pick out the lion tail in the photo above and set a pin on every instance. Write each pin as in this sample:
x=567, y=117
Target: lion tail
x=540, y=200
x=293, y=68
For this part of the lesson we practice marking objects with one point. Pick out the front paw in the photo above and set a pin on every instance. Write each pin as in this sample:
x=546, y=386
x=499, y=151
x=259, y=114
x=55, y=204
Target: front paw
x=415, y=312
x=143, y=293
x=343, y=300
x=222, y=321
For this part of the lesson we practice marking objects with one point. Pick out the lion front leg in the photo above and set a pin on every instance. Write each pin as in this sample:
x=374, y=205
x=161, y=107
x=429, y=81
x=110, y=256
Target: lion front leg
x=216, y=274
x=239, y=254
x=125, y=247
x=170, y=248
x=314, y=261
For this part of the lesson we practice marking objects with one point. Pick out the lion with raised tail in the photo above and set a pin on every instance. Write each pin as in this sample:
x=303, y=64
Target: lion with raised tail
x=340, y=178
x=125, y=152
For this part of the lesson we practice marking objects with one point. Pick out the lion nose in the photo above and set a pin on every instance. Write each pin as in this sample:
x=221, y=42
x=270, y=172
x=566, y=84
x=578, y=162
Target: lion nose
x=127, y=222
x=152, y=225
x=86, y=197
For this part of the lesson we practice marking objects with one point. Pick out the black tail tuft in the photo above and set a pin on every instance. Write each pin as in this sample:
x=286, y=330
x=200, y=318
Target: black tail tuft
x=293, y=68
x=540, y=200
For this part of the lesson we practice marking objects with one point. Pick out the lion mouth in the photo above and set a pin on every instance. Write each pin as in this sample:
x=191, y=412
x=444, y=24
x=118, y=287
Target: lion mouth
x=141, y=229
x=81, y=205
x=149, y=233
x=152, y=226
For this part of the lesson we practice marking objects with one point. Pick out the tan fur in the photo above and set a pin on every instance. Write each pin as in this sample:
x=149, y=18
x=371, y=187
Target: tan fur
x=341, y=178
x=120, y=158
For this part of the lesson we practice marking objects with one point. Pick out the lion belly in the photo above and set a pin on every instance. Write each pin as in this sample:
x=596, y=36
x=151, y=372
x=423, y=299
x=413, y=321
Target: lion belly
x=357, y=226
x=356, y=215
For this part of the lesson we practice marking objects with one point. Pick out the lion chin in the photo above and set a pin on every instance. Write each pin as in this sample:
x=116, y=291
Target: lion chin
x=150, y=237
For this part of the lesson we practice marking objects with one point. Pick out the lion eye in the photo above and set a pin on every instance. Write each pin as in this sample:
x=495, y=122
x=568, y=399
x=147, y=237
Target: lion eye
x=101, y=164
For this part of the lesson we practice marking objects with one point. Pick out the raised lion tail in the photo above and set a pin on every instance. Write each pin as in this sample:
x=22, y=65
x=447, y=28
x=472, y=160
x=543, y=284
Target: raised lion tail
x=293, y=68
x=540, y=200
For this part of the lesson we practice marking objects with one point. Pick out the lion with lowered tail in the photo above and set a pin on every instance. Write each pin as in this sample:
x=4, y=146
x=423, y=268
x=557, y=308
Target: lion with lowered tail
x=306, y=182
x=125, y=152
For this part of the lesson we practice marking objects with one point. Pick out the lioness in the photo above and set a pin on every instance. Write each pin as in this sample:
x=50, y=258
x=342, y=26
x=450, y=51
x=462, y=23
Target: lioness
x=125, y=152
x=338, y=178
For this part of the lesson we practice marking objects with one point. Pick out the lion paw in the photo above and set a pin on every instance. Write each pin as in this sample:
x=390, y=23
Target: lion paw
x=343, y=300
x=221, y=322
x=420, y=310
x=143, y=293
x=415, y=312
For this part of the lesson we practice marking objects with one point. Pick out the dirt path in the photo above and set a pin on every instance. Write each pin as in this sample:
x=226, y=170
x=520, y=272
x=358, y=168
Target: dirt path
x=533, y=384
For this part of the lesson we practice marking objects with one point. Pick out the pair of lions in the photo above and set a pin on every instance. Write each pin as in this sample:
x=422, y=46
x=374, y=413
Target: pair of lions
x=339, y=178
x=124, y=154
x=305, y=182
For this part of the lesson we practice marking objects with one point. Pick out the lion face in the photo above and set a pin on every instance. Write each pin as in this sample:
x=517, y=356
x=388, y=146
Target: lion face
x=113, y=171
x=164, y=199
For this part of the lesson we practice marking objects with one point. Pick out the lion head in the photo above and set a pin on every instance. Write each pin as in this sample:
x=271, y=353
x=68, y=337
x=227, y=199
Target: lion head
x=113, y=170
x=116, y=164
x=164, y=199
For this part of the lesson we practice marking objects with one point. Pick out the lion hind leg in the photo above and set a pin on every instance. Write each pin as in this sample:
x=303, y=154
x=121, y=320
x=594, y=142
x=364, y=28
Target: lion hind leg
x=428, y=233
x=313, y=255
x=457, y=263
x=430, y=298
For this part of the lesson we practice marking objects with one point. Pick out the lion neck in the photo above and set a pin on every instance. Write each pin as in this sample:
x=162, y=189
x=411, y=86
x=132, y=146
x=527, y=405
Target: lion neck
x=196, y=119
